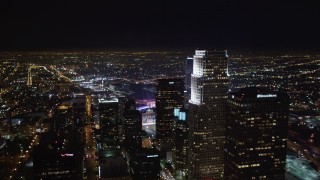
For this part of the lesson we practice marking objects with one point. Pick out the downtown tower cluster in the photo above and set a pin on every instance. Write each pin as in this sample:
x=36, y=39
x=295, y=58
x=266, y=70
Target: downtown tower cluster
x=231, y=135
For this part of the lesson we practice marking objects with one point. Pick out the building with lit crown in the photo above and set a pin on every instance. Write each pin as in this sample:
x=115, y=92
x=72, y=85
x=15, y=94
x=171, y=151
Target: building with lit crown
x=256, y=134
x=209, y=88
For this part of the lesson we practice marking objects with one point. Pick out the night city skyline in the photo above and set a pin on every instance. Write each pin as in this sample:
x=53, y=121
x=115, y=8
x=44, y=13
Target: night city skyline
x=157, y=90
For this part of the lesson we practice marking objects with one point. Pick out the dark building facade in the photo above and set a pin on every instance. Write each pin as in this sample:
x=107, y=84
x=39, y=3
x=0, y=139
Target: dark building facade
x=112, y=166
x=180, y=143
x=132, y=130
x=256, y=134
x=109, y=123
x=209, y=88
x=170, y=95
x=188, y=72
x=145, y=164
x=54, y=160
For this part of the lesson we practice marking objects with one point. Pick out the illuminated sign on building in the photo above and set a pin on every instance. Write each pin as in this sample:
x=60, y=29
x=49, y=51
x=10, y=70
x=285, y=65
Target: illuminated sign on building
x=266, y=95
x=176, y=112
x=63, y=155
x=152, y=156
x=182, y=116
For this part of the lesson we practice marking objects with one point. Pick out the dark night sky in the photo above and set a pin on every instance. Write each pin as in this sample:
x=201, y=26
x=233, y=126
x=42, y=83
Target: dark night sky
x=30, y=25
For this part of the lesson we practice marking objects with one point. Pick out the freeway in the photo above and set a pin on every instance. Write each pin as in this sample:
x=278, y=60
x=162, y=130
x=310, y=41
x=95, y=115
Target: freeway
x=304, y=149
x=166, y=175
x=60, y=74
x=300, y=168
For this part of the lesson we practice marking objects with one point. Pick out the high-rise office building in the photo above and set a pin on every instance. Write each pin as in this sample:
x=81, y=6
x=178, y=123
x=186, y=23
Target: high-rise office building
x=125, y=104
x=209, y=88
x=132, y=129
x=188, y=72
x=256, y=134
x=180, y=142
x=109, y=123
x=169, y=95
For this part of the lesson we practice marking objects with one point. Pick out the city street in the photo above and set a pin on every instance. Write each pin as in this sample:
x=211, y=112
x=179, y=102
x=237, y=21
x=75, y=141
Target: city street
x=90, y=147
x=90, y=162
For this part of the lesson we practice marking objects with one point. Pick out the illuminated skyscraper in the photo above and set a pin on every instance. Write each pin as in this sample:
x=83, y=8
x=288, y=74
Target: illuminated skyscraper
x=170, y=95
x=209, y=88
x=256, y=134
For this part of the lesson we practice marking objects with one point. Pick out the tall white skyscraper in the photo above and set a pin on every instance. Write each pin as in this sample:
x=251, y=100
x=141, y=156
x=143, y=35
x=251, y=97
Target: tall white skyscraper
x=209, y=88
